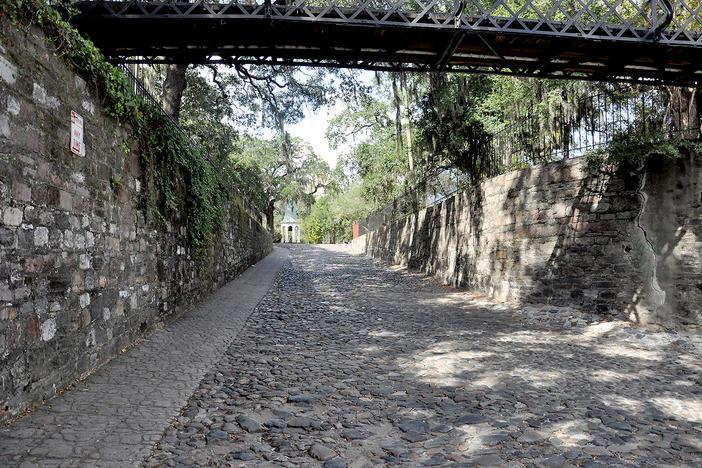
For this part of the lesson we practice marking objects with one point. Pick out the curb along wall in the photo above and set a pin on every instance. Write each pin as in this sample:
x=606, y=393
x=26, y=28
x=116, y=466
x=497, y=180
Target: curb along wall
x=623, y=243
x=83, y=274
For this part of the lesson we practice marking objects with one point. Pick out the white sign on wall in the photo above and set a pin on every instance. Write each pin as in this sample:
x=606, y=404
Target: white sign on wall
x=77, y=146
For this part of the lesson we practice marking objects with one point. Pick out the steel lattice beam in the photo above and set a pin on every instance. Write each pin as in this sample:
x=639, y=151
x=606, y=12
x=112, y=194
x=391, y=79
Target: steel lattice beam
x=601, y=40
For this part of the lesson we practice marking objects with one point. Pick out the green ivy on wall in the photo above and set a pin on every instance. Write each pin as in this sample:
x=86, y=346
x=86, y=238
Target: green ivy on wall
x=180, y=180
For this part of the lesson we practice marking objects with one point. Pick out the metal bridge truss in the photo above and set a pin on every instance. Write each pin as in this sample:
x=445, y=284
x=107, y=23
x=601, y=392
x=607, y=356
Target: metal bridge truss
x=648, y=41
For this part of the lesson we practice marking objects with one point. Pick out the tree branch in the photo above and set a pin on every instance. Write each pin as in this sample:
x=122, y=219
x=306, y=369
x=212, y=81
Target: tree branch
x=215, y=78
x=250, y=76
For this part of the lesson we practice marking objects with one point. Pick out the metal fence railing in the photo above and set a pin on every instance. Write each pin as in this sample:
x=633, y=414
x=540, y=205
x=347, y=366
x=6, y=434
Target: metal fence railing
x=140, y=90
x=572, y=130
x=428, y=192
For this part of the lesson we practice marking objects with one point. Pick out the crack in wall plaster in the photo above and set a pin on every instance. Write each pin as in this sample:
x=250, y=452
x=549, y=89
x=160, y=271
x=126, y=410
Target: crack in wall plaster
x=658, y=294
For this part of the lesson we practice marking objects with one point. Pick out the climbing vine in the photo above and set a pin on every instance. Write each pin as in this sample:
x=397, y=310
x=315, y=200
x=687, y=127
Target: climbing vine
x=181, y=180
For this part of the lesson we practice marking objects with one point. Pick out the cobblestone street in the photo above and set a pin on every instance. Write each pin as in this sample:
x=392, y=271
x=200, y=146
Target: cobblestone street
x=350, y=363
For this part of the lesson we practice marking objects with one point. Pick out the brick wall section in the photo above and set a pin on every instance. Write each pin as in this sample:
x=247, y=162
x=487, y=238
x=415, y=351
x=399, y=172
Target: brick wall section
x=82, y=273
x=563, y=235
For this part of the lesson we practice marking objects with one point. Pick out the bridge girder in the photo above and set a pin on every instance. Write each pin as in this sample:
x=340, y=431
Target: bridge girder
x=433, y=39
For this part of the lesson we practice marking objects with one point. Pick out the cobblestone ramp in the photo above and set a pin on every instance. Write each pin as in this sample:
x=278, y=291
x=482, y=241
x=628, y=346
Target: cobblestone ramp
x=116, y=415
x=347, y=363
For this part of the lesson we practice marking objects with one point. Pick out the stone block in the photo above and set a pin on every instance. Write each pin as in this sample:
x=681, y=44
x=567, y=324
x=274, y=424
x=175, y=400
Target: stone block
x=84, y=300
x=21, y=293
x=8, y=70
x=8, y=313
x=65, y=200
x=77, y=281
x=13, y=105
x=7, y=237
x=15, y=334
x=81, y=204
x=85, y=318
x=88, y=107
x=41, y=236
x=53, y=195
x=21, y=192
x=44, y=171
x=32, y=330
x=41, y=97
x=84, y=261
x=119, y=308
x=27, y=111
x=30, y=217
x=48, y=329
x=89, y=240
x=34, y=140
x=59, y=198
x=12, y=216
x=4, y=126
x=33, y=264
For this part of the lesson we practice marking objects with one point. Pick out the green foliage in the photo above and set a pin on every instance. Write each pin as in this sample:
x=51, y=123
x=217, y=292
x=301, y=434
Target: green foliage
x=452, y=128
x=182, y=180
x=205, y=112
x=375, y=157
x=117, y=185
x=632, y=146
x=279, y=169
x=270, y=170
x=320, y=221
x=332, y=216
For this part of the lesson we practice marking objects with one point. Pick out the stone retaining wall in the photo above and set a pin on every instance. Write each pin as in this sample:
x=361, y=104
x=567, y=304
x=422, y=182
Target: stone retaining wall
x=83, y=274
x=563, y=235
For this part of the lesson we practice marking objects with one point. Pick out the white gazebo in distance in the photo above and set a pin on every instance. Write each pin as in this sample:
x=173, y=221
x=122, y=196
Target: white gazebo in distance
x=290, y=226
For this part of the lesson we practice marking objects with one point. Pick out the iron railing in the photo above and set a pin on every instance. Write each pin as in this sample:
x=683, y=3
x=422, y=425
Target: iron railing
x=542, y=134
x=568, y=131
x=140, y=90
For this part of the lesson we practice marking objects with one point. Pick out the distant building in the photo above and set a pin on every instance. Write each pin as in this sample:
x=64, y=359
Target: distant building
x=290, y=226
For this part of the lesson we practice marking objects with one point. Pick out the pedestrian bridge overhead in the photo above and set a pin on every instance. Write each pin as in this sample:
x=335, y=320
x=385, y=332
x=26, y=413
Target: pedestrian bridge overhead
x=649, y=41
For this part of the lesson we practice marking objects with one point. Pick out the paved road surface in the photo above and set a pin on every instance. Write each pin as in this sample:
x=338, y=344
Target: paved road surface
x=116, y=415
x=348, y=363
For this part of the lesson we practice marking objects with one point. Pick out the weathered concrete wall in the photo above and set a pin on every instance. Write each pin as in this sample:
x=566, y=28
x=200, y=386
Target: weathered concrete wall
x=672, y=221
x=82, y=273
x=563, y=235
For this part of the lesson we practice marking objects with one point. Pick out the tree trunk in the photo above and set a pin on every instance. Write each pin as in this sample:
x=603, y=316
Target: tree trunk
x=173, y=87
x=270, y=212
x=685, y=107
x=566, y=120
x=407, y=122
x=398, y=112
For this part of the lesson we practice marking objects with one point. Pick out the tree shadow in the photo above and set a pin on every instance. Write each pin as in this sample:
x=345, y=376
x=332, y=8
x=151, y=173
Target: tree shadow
x=496, y=375
x=623, y=242
x=435, y=240
x=418, y=374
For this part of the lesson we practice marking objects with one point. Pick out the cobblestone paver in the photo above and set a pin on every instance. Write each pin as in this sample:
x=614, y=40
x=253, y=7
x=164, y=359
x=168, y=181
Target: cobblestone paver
x=114, y=418
x=347, y=363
